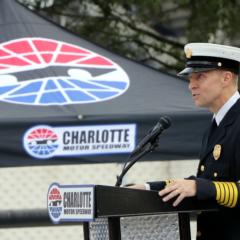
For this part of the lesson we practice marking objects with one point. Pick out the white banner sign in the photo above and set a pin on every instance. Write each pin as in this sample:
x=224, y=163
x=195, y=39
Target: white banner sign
x=45, y=141
x=70, y=203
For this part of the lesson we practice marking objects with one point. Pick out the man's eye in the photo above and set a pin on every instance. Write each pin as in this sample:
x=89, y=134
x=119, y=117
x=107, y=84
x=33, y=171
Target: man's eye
x=200, y=76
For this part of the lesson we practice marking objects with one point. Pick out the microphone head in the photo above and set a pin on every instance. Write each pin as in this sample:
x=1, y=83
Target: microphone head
x=165, y=122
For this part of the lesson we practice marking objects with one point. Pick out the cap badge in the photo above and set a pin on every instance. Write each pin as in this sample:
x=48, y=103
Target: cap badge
x=219, y=64
x=188, y=52
x=217, y=151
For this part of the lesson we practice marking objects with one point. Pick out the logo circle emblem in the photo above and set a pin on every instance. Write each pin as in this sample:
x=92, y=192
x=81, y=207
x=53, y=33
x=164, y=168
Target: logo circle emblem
x=41, y=142
x=54, y=202
x=41, y=71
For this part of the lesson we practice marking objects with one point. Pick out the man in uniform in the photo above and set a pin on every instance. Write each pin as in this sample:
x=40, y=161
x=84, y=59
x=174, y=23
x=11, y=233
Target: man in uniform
x=212, y=71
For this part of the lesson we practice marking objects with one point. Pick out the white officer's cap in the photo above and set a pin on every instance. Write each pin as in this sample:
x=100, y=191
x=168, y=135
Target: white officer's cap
x=203, y=57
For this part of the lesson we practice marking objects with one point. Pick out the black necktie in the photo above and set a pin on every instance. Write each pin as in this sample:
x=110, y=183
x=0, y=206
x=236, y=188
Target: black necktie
x=212, y=129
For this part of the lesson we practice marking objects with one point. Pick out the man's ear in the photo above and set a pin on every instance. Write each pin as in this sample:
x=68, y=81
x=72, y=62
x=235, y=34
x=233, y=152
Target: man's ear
x=227, y=78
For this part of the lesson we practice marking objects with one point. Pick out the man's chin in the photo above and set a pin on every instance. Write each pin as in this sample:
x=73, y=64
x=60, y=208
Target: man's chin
x=199, y=104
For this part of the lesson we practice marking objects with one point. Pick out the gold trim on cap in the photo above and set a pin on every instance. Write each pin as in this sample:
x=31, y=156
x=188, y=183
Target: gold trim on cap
x=188, y=52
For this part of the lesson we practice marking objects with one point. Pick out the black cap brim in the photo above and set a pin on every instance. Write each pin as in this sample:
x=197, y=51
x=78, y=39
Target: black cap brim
x=189, y=70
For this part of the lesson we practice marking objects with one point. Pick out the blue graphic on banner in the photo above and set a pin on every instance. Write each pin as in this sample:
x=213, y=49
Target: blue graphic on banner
x=40, y=71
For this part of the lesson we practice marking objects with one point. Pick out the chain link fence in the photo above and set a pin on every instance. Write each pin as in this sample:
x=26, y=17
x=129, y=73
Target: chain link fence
x=26, y=188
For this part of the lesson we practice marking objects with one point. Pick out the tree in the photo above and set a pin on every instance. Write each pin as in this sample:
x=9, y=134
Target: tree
x=152, y=32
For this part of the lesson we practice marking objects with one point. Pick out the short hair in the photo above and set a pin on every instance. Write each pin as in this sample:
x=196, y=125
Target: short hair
x=235, y=78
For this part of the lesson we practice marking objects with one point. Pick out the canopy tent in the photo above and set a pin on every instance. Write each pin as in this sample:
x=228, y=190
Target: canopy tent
x=65, y=100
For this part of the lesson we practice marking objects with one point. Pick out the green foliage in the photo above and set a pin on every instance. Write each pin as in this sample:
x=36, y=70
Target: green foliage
x=153, y=31
x=215, y=21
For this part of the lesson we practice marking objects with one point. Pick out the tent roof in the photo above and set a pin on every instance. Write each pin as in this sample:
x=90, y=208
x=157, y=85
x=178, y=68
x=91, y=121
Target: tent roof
x=148, y=95
x=150, y=91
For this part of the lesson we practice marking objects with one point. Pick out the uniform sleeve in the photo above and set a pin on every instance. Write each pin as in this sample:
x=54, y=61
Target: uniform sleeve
x=225, y=193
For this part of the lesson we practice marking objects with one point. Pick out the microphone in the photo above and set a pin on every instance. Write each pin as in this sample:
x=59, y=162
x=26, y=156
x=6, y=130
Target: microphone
x=151, y=137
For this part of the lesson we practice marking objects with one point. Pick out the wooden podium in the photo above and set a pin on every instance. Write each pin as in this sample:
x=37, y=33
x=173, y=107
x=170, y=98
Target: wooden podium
x=118, y=212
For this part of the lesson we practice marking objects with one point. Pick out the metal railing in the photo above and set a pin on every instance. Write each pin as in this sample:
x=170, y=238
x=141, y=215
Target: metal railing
x=28, y=218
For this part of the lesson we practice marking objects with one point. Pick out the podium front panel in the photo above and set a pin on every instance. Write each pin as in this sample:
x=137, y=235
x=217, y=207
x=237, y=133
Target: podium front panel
x=98, y=230
x=150, y=227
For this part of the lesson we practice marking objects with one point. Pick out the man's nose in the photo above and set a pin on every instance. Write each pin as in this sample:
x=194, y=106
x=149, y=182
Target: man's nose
x=192, y=84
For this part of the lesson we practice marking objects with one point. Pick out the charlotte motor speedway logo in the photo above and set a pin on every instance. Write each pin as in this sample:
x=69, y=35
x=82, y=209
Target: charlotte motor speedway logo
x=44, y=142
x=41, y=142
x=55, y=200
x=40, y=71
x=70, y=203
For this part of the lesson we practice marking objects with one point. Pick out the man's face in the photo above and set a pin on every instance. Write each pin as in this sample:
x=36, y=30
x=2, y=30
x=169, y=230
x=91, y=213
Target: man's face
x=206, y=89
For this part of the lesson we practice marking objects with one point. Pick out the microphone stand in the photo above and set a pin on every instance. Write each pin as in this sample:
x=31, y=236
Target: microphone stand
x=150, y=147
